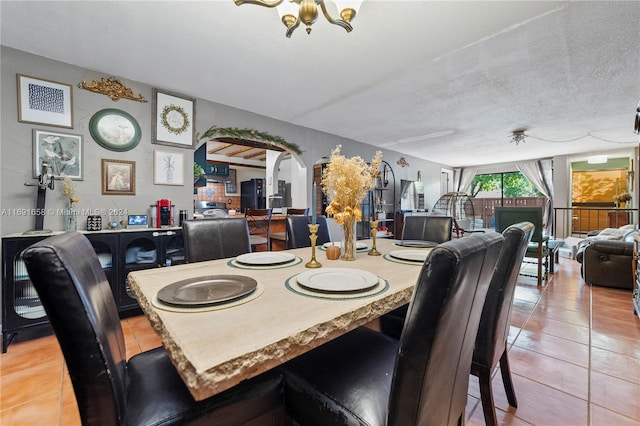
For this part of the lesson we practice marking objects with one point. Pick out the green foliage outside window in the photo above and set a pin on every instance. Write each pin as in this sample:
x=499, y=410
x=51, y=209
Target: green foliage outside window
x=512, y=185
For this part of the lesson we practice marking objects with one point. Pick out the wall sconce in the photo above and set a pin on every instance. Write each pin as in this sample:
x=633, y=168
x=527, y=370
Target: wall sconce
x=636, y=128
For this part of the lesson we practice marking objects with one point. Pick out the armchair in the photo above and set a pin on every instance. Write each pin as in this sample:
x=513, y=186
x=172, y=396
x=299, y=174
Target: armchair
x=538, y=247
x=607, y=262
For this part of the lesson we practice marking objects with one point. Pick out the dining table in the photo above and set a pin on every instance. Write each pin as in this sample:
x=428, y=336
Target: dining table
x=216, y=346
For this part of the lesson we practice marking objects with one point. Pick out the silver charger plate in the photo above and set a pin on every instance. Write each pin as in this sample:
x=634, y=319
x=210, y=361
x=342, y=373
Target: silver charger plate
x=207, y=290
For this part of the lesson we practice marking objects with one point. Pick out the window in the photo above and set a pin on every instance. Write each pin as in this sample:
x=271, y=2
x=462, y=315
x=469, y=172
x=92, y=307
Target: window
x=502, y=185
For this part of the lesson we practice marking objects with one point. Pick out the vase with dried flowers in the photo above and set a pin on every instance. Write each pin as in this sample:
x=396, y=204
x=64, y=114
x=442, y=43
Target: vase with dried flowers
x=70, y=212
x=622, y=199
x=346, y=182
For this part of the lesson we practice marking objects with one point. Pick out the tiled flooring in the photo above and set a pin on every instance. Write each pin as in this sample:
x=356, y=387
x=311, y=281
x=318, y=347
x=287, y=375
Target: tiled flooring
x=575, y=357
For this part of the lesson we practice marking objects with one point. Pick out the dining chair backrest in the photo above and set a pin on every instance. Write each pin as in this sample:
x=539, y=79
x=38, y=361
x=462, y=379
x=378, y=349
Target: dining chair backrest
x=211, y=239
x=493, y=331
x=77, y=298
x=431, y=376
x=259, y=225
x=427, y=228
x=494, y=323
x=297, y=212
x=298, y=231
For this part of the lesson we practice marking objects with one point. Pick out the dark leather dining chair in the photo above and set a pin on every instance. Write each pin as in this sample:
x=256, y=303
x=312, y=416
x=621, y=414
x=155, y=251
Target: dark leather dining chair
x=437, y=229
x=493, y=331
x=109, y=390
x=298, y=231
x=282, y=236
x=210, y=239
x=491, y=342
x=368, y=378
x=259, y=227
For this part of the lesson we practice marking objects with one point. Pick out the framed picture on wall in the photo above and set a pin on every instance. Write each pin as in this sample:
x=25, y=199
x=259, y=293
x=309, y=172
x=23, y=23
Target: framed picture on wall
x=168, y=168
x=118, y=177
x=44, y=102
x=173, y=120
x=61, y=152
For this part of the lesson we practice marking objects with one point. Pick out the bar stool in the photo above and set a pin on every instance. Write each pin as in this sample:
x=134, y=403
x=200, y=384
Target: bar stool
x=259, y=221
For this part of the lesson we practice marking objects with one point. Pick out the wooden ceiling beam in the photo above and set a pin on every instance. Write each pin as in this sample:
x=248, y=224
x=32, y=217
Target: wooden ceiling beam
x=219, y=148
x=239, y=151
x=255, y=154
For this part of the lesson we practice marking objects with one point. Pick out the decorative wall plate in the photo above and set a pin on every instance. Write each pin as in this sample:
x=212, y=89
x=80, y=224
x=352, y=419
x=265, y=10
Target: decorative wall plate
x=115, y=130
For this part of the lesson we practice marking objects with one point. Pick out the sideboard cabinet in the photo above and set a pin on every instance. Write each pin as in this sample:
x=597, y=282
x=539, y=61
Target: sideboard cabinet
x=119, y=253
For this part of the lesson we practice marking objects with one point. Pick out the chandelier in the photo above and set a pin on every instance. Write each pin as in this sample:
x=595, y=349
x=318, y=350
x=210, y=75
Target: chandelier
x=294, y=12
x=517, y=137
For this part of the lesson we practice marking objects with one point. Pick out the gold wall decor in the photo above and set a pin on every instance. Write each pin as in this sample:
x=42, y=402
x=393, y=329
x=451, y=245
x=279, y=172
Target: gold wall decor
x=402, y=162
x=112, y=88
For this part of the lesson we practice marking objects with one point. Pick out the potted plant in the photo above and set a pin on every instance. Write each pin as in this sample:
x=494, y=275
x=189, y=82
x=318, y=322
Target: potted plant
x=198, y=172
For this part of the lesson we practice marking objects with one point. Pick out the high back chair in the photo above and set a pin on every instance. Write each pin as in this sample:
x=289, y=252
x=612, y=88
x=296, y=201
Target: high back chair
x=367, y=378
x=282, y=236
x=259, y=225
x=437, y=229
x=538, y=248
x=493, y=331
x=211, y=239
x=110, y=390
x=298, y=231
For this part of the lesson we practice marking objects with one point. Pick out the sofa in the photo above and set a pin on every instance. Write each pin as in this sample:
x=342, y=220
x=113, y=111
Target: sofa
x=607, y=257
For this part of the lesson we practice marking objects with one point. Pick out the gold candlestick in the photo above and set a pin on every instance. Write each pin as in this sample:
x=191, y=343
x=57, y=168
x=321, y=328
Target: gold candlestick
x=374, y=231
x=313, y=263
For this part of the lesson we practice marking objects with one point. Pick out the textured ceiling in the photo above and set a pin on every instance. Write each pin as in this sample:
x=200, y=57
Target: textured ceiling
x=444, y=81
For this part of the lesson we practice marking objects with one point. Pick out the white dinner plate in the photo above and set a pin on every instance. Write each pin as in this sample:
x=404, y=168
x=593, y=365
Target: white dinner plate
x=410, y=255
x=337, y=279
x=265, y=258
x=359, y=246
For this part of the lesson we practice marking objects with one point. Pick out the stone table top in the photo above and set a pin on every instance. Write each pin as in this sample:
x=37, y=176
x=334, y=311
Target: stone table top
x=217, y=349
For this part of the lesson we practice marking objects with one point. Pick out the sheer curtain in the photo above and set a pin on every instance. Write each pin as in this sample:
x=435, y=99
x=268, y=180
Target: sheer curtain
x=540, y=174
x=462, y=178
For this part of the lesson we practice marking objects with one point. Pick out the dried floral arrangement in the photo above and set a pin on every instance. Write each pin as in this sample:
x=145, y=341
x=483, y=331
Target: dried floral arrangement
x=346, y=182
x=69, y=189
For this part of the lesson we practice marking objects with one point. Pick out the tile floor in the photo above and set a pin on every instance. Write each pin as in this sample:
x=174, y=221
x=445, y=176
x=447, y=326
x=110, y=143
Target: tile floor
x=575, y=358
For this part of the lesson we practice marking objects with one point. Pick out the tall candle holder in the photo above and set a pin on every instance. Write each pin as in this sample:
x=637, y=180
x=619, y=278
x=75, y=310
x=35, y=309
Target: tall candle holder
x=374, y=231
x=313, y=263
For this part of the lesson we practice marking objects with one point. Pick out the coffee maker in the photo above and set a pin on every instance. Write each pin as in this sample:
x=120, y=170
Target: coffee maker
x=164, y=213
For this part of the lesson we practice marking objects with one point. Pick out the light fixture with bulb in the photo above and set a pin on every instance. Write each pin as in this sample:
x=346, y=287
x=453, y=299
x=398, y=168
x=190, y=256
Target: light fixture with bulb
x=518, y=136
x=294, y=12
